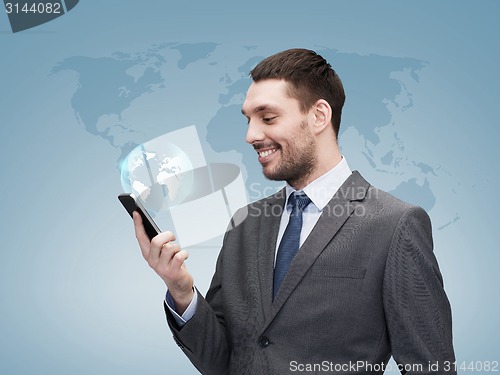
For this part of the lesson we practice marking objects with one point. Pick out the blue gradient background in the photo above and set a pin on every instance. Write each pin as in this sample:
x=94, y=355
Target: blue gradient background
x=76, y=296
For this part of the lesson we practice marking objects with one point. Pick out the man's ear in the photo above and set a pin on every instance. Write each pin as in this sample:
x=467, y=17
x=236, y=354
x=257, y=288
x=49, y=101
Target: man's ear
x=322, y=113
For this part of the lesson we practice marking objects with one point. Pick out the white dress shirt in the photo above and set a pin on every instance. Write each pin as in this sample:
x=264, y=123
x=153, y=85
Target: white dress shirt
x=320, y=191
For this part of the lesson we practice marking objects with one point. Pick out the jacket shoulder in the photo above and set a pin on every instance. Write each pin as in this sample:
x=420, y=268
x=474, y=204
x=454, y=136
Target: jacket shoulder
x=386, y=204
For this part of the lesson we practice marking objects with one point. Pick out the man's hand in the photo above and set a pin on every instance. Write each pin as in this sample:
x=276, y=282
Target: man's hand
x=167, y=260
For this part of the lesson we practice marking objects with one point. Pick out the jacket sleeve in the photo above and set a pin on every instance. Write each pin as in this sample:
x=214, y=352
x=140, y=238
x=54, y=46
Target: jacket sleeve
x=203, y=338
x=417, y=310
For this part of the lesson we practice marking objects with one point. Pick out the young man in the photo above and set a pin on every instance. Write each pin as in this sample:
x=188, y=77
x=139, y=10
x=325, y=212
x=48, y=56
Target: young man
x=328, y=275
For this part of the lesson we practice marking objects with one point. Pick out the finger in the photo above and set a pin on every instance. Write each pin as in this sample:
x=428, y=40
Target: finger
x=155, y=250
x=178, y=259
x=157, y=244
x=168, y=250
x=161, y=244
x=143, y=236
x=162, y=238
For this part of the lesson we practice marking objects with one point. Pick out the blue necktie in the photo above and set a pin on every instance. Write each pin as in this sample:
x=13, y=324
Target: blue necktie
x=290, y=242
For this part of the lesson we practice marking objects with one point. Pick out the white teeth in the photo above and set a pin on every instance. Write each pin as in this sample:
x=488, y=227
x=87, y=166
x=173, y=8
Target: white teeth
x=263, y=154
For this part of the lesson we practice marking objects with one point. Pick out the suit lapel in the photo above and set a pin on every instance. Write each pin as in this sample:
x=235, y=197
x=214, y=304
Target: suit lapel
x=268, y=234
x=331, y=220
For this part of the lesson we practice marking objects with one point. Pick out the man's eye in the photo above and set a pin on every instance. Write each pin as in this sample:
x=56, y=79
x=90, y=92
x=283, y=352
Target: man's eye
x=269, y=119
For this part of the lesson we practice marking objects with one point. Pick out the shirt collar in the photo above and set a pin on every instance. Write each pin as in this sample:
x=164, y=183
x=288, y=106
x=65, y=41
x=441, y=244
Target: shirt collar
x=321, y=190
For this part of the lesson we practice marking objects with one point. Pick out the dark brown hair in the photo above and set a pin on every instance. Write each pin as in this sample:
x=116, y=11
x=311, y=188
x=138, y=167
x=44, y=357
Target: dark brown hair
x=309, y=76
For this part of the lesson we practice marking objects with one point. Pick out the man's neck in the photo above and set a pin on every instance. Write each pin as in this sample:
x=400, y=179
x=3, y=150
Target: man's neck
x=326, y=164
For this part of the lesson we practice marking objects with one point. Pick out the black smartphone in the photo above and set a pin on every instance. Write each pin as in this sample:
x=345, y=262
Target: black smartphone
x=131, y=204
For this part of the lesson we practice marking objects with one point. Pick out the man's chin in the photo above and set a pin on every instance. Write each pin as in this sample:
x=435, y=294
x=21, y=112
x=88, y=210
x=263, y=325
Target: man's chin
x=267, y=174
x=272, y=174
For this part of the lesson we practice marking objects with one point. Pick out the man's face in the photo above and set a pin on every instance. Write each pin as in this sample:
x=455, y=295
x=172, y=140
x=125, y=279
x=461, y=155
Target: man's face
x=279, y=132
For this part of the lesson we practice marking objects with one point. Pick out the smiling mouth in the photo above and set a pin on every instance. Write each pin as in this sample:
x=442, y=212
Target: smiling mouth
x=265, y=153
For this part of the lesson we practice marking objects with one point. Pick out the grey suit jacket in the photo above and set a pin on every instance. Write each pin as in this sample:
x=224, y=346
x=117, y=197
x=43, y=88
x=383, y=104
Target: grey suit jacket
x=365, y=285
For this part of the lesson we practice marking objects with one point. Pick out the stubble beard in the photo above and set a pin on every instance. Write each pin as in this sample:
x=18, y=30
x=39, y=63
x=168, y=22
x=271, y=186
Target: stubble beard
x=298, y=161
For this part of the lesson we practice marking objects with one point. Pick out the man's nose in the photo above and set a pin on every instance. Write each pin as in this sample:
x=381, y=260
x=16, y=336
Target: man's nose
x=255, y=132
